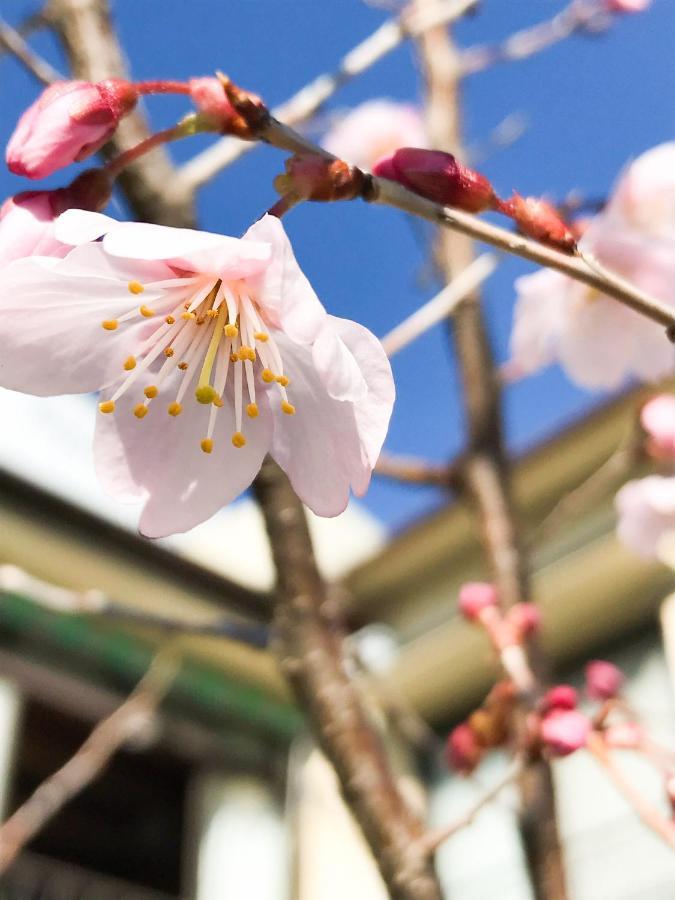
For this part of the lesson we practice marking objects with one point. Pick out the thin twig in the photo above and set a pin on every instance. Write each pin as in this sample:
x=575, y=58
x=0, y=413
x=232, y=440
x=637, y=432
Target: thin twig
x=411, y=470
x=15, y=44
x=649, y=814
x=433, y=839
x=110, y=735
x=440, y=306
x=307, y=101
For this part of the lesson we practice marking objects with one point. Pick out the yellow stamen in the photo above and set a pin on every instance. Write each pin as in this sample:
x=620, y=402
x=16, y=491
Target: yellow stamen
x=210, y=358
x=231, y=330
x=170, y=320
x=211, y=313
x=174, y=409
x=130, y=364
x=245, y=352
x=109, y=324
x=234, y=358
x=151, y=391
x=207, y=445
x=288, y=408
x=146, y=311
x=188, y=316
x=140, y=410
x=261, y=336
x=135, y=287
x=107, y=406
x=252, y=410
x=218, y=402
x=168, y=352
x=205, y=394
x=268, y=376
x=283, y=381
x=238, y=439
x=182, y=366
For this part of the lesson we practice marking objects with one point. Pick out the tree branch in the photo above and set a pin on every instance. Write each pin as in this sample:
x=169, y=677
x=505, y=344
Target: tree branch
x=15, y=44
x=310, y=645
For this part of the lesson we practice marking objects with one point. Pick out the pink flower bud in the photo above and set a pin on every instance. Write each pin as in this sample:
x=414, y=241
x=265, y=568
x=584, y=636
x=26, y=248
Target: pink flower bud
x=626, y=6
x=208, y=95
x=439, y=177
x=658, y=420
x=525, y=618
x=603, y=680
x=67, y=123
x=475, y=597
x=564, y=731
x=562, y=696
x=27, y=220
x=463, y=750
x=539, y=220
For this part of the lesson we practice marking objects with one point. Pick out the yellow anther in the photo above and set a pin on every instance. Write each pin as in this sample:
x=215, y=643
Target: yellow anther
x=252, y=410
x=135, y=287
x=207, y=445
x=107, y=406
x=234, y=357
x=188, y=315
x=146, y=311
x=238, y=439
x=288, y=408
x=261, y=336
x=182, y=366
x=151, y=391
x=109, y=324
x=170, y=320
x=174, y=409
x=140, y=410
x=245, y=352
x=130, y=363
x=283, y=380
x=205, y=393
x=218, y=402
x=268, y=376
x=231, y=330
x=168, y=352
x=211, y=313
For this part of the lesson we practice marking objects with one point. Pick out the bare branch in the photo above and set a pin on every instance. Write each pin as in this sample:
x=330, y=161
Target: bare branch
x=129, y=720
x=307, y=101
x=415, y=471
x=15, y=44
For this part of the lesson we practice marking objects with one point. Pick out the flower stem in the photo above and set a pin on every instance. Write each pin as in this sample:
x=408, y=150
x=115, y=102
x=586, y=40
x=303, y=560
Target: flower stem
x=191, y=124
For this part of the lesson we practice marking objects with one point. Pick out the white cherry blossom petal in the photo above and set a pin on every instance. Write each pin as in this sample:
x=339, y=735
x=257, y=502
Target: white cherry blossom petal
x=79, y=226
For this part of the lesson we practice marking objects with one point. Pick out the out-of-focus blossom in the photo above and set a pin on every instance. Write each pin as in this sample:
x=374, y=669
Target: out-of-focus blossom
x=67, y=123
x=658, y=420
x=228, y=333
x=624, y=735
x=438, y=176
x=626, y=6
x=598, y=341
x=476, y=596
x=375, y=129
x=525, y=618
x=27, y=220
x=562, y=696
x=604, y=680
x=463, y=749
x=646, y=509
x=564, y=731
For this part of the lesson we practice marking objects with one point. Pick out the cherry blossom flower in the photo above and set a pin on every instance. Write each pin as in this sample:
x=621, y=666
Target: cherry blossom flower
x=564, y=731
x=599, y=342
x=375, y=129
x=646, y=509
x=67, y=123
x=604, y=680
x=212, y=352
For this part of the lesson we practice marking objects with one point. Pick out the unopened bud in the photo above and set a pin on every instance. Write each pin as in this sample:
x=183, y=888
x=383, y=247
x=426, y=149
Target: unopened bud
x=208, y=95
x=525, y=618
x=564, y=731
x=604, y=680
x=562, y=696
x=463, y=750
x=438, y=176
x=314, y=177
x=626, y=6
x=250, y=113
x=539, y=220
x=476, y=597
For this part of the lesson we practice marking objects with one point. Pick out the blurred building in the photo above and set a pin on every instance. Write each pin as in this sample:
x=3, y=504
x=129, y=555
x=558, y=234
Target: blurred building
x=223, y=796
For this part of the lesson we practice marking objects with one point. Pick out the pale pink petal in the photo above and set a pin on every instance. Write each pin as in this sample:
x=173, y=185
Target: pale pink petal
x=538, y=318
x=331, y=444
x=27, y=227
x=50, y=327
x=282, y=290
x=337, y=367
x=159, y=458
x=79, y=226
x=658, y=420
x=195, y=251
x=646, y=510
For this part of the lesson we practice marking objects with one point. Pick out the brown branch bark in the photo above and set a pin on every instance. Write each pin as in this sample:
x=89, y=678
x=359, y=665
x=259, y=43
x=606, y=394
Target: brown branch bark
x=87, y=34
x=310, y=640
x=486, y=472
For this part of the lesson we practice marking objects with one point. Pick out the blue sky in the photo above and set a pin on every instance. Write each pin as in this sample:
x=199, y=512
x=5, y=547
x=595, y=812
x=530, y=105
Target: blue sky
x=590, y=105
